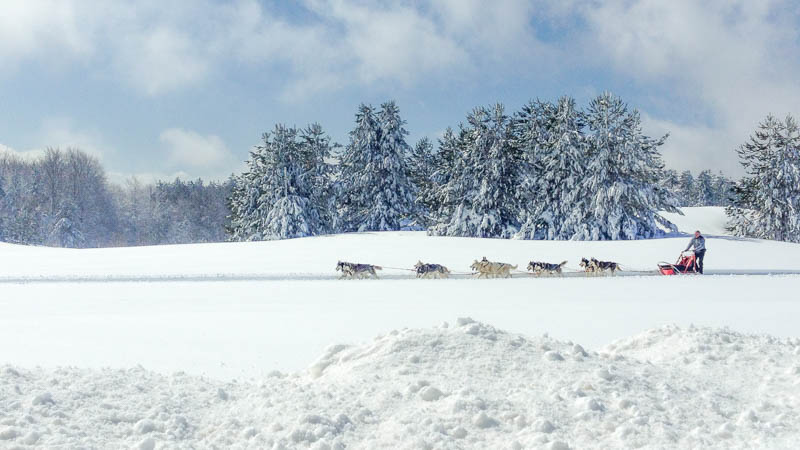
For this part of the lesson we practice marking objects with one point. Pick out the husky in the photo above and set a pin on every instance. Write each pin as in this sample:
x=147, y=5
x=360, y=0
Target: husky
x=431, y=270
x=602, y=266
x=491, y=269
x=539, y=268
x=353, y=270
x=588, y=266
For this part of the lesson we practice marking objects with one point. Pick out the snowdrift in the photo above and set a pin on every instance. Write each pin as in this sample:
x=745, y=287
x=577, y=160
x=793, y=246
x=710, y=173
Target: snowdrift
x=467, y=385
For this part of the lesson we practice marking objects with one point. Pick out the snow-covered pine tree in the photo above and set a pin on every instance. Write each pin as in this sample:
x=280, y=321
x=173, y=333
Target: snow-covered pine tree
x=723, y=190
x=316, y=146
x=422, y=168
x=531, y=127
x=481, y=198
x=672, y=183
x=438, y=200
x=377, y=191
x=65, y=233
x=621, y=191
x=704, y=189
x=276, y=197
x=557, y=155
x=767, y=202
x=688, y=190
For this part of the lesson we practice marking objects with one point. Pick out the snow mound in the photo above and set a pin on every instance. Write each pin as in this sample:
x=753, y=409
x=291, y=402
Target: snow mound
x=469, y=385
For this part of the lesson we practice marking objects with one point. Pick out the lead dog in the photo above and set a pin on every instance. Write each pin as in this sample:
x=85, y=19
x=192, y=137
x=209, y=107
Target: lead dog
x=353, y=270
x=431, y=270
x=539, y=268
x=491, y=269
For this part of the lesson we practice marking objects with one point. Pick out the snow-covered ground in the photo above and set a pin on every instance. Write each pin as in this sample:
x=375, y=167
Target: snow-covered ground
x=227, y=315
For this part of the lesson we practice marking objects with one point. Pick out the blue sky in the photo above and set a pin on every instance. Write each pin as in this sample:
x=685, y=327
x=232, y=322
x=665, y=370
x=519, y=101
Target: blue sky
x=186, y=87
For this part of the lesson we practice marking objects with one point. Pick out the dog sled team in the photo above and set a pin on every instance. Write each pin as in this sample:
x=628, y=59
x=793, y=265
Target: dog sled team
x=481, y=269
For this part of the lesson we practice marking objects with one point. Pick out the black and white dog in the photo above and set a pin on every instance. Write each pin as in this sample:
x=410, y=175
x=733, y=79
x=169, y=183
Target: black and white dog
x=353, y=270
x=539, y=268
x=602, y=266
x=431, y=270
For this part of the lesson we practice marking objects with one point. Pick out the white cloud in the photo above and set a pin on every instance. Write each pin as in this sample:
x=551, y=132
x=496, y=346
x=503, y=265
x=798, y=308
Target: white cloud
x=186, y=148
x=62, y=133
x=25, y=154
x=734, y=59
x=37, y=27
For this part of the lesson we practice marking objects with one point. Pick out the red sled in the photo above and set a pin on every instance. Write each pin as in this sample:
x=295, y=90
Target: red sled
x=685, y=265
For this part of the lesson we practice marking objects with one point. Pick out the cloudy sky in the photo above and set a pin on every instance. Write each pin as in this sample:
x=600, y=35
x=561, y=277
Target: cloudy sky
x=159, y=88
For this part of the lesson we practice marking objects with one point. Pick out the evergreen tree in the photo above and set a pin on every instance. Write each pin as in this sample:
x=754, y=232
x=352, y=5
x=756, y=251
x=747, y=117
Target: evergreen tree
x=553, y=137
x=672, y=183
x=621, y=191
x=704, y=189
x=767, y=200
x=723, y=190
x=480, y=197
x=277, y=197
x=422, y=168
x=377, y=191
x=688, y=191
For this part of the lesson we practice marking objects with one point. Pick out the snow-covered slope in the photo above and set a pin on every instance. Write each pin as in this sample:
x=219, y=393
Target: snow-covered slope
x=467, y=385
x=316, y=257
x=710, y=220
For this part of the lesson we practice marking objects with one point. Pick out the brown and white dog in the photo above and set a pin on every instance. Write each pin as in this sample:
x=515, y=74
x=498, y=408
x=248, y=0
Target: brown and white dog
x=597, y=267
x=491, y=269
x=431, y=270
x=538, y=268
x=354, y=270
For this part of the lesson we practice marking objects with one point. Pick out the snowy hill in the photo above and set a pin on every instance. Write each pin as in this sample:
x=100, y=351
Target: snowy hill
x=710, y=220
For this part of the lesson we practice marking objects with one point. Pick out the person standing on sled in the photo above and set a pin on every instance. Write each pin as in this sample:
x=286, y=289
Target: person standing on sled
x=699, y=244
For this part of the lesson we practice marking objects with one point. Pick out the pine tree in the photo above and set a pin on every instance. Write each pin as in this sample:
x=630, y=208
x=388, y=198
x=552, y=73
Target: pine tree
x=557, y=149
x=688, y=191
x=672, y=183
x=767, y=201
x=278, y=196
x=480, y=197
x=704, y=189
x=621, y=191
x=422, y=168
x=378, y=194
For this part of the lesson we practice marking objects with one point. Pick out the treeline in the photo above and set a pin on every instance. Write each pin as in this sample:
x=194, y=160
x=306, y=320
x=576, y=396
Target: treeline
x=64, y=199
x=705, y=189
x=548, y=171
x=551, y=170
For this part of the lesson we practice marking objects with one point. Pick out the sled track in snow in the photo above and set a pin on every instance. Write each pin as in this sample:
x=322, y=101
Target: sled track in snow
x=383, y=277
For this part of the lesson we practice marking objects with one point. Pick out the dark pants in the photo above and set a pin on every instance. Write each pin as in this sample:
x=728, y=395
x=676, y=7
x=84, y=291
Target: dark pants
x=699, y=255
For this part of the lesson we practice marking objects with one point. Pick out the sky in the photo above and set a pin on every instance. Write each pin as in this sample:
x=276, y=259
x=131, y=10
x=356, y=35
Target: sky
x=159, y=89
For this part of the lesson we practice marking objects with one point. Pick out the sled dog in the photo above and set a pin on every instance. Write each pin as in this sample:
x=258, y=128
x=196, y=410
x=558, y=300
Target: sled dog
x=587, y=265
x=353, y=270
x=602, y=266
x=431, y=270
x=491, y=269
x=539, y=268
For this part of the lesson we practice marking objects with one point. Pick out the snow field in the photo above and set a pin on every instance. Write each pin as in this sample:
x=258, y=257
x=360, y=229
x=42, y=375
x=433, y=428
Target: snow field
x=668, y=387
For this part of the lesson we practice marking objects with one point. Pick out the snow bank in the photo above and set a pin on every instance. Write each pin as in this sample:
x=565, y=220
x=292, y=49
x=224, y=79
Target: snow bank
x=468, y=385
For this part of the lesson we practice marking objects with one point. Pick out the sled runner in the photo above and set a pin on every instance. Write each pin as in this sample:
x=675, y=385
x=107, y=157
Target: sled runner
x=684, y=265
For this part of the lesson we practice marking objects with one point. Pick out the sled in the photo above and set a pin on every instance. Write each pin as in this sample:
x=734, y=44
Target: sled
x=684, y=265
